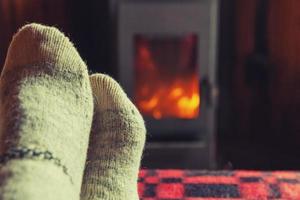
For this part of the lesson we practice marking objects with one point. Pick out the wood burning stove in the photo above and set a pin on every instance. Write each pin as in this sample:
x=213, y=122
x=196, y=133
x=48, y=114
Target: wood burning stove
x=166, y=58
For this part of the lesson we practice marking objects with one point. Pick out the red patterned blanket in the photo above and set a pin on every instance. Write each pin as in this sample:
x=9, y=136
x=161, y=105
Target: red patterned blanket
x=218, y=185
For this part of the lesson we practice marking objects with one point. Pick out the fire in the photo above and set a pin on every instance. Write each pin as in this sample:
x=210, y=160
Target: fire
x=162, y=93
x=179, y=99
x=187, y=105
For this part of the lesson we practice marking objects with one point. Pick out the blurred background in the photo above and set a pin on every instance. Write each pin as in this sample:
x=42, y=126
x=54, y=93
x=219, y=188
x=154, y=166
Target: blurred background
x=218, y=86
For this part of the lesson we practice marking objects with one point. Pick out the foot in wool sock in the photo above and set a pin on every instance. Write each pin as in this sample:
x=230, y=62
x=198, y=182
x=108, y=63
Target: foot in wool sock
x=116, y=144
x=46, y=109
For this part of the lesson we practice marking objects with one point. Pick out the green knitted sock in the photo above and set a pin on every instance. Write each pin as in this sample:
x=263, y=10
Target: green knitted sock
x=46, y=109
x=116, y=144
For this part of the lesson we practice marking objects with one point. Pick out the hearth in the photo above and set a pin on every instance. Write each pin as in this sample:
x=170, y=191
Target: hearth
x=166, y=58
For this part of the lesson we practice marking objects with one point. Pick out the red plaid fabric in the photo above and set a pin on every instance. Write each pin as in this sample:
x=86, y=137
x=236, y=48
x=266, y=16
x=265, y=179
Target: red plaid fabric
x=218, y=185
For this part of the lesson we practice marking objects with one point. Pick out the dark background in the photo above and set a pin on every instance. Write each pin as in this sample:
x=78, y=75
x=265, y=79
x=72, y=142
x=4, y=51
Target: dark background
x=258, y=119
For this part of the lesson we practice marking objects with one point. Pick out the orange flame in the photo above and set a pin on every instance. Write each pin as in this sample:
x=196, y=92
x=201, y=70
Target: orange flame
x=179, y=99
x=165, y=94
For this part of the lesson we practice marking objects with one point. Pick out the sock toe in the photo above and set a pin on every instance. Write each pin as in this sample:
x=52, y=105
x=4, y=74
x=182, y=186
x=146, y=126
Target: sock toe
x=116, y=144
x=46, y=110
x=108, y=94
x=36, y=44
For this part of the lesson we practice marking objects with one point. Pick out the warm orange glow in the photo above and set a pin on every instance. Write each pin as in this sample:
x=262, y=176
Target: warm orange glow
x=188, y=106
x=179, y=99
x=163, y=90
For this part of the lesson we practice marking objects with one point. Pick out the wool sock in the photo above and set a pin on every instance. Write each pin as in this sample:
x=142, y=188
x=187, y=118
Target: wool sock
x=46, y=109
x=116, y=144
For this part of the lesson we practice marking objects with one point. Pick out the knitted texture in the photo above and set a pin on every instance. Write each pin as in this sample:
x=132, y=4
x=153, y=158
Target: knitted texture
x=116, y=144
x=46, y=109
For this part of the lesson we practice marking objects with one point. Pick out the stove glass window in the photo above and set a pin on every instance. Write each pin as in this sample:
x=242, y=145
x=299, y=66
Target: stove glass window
x=166, y=76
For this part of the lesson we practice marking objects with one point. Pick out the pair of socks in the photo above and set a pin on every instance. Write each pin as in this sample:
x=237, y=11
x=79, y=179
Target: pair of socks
x=64, y=135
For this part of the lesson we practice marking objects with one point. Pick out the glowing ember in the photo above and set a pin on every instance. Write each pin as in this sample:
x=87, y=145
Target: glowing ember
x=166, y=77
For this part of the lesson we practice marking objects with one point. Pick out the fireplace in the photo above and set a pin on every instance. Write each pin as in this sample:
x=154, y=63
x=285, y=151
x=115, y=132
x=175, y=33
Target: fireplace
x=166, y=58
